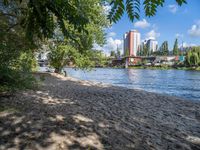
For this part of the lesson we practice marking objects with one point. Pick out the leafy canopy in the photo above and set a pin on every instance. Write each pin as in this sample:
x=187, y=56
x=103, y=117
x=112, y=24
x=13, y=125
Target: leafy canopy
x=39, y=18
x=132, y=8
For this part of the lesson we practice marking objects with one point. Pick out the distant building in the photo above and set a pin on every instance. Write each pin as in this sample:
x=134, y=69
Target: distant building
x=131, y=43
x=152, y=45
x=42, y=58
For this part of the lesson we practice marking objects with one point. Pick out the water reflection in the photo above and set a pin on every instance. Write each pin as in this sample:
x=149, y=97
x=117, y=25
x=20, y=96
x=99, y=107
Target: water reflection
x=180, y=83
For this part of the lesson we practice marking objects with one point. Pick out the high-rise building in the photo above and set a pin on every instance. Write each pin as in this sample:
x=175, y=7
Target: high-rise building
x=131, y=43
x=152, y=45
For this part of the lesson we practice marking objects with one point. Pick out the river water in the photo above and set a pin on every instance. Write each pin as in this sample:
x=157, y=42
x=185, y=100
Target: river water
x=185, y=84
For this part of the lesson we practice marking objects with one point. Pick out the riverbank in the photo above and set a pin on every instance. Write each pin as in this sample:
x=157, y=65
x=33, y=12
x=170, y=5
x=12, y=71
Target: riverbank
x=164, y=68
x=67, y=113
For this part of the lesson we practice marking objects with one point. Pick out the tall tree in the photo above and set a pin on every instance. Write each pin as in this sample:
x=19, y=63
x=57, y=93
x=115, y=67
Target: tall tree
x=126, y=52
x=112, y=53
x=81, y=44
x=164, y=48
x=145, y=50
x=175, y=49
x=118, y=54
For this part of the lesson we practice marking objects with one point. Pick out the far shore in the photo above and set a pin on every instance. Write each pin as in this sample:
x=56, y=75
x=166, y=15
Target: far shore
x=152, y=68
x=65, y=113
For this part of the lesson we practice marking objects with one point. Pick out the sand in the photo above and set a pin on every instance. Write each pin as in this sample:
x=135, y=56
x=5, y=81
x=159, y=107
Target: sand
x=70, y=114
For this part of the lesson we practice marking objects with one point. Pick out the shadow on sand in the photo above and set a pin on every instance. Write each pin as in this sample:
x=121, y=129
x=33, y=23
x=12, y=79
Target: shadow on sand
x=66, y=114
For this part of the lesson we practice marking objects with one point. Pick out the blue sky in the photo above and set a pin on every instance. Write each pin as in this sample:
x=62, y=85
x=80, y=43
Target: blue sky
x=170, y=21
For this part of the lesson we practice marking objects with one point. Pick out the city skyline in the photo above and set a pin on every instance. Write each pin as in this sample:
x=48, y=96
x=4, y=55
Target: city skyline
x=169, y=23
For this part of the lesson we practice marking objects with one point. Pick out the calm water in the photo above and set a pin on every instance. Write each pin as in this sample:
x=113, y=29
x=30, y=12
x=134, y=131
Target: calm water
x=180, y=83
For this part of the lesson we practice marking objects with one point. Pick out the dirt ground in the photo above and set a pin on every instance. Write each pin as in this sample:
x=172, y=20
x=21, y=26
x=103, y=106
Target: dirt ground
x=69, y=114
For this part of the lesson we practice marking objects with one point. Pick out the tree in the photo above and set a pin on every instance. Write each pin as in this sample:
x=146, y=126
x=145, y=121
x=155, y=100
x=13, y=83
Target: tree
x=118, y=54
x=132, y=8
x=16, y=53
x=58, y=57
x=39, y=18
x=79, y=50
x=112, y=53
x=127, y=53
x=164, y=48
x=145, y=50
x=175, y=49
x=193, y=57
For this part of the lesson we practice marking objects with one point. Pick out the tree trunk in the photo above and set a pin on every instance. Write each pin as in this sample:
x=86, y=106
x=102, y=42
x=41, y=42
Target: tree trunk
x=57, y=70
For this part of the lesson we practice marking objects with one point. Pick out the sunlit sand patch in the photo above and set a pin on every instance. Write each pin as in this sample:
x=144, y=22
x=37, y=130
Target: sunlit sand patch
x=18, y=120
x=193, y=139
x=69, y=138
x=90, y=140
x=103, y=125
x=49, y=100
x=80, y=118
x=59, y=118
x=43, y=93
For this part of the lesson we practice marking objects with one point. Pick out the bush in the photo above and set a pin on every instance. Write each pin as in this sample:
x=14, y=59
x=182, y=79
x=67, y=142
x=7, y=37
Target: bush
x=17, y=75
x=193, y=57
x=12, y=80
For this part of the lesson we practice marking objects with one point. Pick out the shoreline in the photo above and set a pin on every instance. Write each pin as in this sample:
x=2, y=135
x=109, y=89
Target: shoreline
x=96, y=83
x=68, y=113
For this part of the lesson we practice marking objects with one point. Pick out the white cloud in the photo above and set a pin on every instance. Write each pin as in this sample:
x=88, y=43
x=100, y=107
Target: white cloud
x=111, y=34
x=142, y=24
x=194, y=31
x=173, y=8
x=152, y=34
x=178, y=35
x=110, y=45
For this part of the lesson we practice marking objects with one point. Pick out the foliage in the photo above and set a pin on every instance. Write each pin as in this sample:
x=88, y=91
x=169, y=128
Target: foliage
x=132, y=8
x=62, y=55
x=193, y=57
x=127, y=52
x=118, y=54
x=144, y=50
x=26, y=62
x=16, y=55
x=164, y=48
x=99, y=59
x=112, y=53
x=79, y=49
x=11, y=79
x=58, y=57
x=15, y=73
x=175, y=49
x=40, y=17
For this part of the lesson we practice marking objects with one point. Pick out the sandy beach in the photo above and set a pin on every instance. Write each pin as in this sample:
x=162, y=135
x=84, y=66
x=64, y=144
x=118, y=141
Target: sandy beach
x=69, y=114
